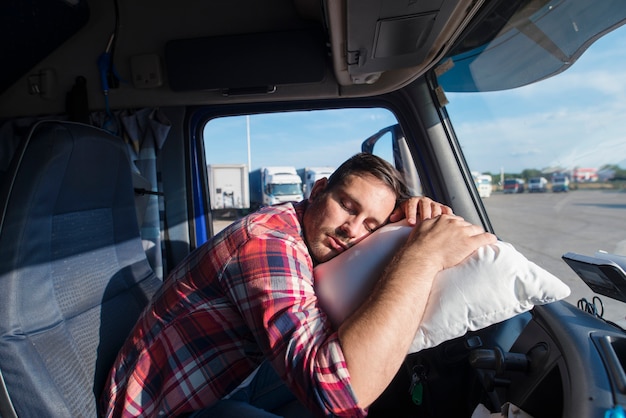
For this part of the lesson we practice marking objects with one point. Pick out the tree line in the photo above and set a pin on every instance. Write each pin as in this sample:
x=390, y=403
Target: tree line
x=618, y=173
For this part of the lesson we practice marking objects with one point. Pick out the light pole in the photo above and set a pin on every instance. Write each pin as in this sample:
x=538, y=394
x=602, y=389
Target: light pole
x=248, y=139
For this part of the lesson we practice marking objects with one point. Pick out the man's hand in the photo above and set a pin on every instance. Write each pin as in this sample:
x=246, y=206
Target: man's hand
x=447, y=239
x=419, y=207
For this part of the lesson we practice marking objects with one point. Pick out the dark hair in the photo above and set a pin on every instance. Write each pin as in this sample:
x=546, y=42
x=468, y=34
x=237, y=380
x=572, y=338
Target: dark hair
x=366, y=163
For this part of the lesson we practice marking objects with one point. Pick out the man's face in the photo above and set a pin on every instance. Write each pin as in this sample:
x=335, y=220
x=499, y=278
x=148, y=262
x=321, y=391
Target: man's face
x=338, y=219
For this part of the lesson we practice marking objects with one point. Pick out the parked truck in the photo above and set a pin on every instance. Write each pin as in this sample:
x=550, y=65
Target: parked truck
x=228, y=188
x=310, y=175
x=513, y=185
x=537, y=184
x=272, y=185
x=483, y=183
x=560, y=183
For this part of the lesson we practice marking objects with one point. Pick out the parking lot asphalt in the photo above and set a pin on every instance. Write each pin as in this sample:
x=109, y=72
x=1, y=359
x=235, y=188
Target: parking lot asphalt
x=544, y=226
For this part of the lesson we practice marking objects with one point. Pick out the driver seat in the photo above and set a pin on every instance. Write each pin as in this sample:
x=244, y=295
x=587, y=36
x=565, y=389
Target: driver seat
x=74, y=277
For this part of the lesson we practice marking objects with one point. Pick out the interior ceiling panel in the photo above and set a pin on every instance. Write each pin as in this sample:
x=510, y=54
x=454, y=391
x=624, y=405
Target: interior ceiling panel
x=32, y=29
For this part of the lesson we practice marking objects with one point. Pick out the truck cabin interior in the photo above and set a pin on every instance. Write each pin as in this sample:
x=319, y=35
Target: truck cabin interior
x=92, y=225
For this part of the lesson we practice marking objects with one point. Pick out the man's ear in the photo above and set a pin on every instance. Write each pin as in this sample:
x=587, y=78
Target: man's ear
x=318, y=188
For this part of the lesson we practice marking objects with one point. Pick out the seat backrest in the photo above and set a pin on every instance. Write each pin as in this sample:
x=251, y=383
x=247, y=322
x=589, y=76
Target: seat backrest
x=73, y=274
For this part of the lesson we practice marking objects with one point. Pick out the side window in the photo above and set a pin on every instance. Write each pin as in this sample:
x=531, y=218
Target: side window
x=262, y=159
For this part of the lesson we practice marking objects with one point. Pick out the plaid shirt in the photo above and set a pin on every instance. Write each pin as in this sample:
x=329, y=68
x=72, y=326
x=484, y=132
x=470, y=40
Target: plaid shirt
x=244, y=296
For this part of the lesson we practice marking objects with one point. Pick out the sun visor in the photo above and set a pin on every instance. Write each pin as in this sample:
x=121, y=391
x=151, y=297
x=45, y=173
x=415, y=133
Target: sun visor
x=246, y=62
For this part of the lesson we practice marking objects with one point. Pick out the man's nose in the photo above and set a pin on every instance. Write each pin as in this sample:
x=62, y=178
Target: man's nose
x=353, y=229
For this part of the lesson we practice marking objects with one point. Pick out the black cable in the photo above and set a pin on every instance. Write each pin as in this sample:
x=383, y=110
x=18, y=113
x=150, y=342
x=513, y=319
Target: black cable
x=592, y=308
x=112, y=78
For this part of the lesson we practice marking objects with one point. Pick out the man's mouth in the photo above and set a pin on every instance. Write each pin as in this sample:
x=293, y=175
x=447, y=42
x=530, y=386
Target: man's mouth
x=337, y=244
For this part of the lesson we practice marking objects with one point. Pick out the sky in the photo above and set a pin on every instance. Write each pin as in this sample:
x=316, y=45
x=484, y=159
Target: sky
x=572, y=120
x=299, y=139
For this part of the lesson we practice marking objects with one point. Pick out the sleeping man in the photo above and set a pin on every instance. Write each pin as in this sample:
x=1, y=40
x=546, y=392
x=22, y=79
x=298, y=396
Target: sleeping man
x=237, y=328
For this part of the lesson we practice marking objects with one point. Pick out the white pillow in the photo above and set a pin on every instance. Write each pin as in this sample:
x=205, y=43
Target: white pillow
x=495, y=283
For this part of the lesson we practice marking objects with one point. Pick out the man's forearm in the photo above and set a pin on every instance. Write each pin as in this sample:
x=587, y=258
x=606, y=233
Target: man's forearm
x=375, y=339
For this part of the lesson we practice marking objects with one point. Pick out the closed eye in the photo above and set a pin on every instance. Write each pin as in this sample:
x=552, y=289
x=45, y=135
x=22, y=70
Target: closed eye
x=349, y=206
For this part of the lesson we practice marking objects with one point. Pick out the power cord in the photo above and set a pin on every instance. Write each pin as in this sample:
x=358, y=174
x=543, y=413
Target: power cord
x=591, y=307
x=596, y=308
x=109, y=78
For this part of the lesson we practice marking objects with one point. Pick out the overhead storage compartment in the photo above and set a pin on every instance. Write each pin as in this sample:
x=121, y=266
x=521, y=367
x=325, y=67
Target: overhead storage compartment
x=386, y=35
x=247, y=62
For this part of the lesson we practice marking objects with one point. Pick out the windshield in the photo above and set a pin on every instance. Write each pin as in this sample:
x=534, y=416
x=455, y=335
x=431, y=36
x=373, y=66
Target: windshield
x=569, y=130
x=523, y=42
x=285, y=189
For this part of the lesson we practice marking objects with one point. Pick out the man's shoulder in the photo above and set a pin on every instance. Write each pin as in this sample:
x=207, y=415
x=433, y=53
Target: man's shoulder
x=279, y=220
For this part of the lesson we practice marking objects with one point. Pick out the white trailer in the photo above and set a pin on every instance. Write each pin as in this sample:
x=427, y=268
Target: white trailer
x=228, y=187
x=310, y=175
